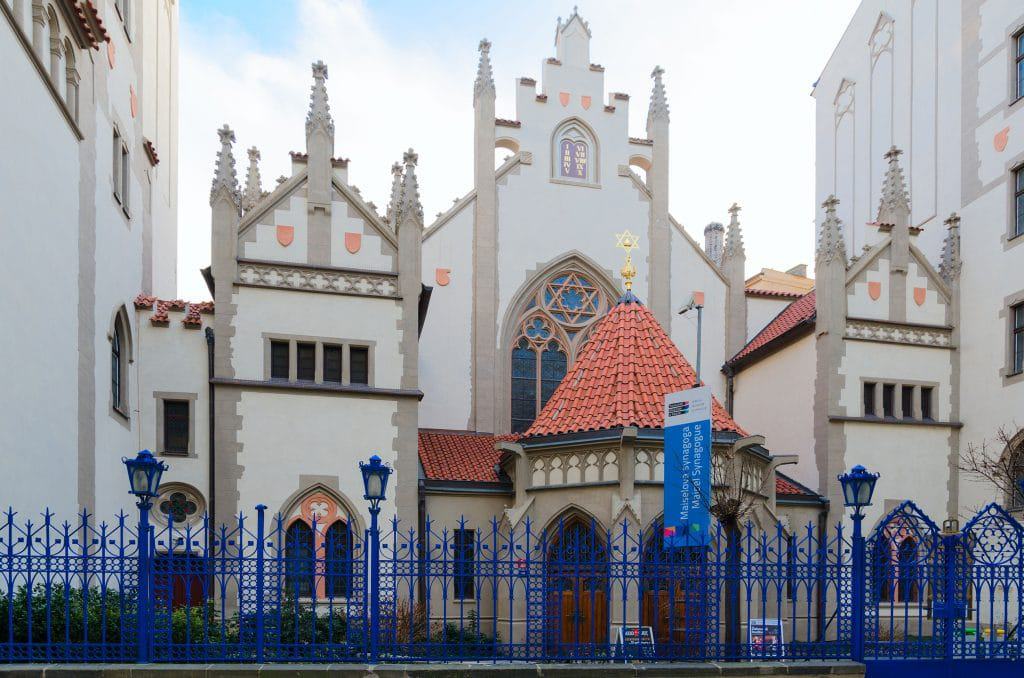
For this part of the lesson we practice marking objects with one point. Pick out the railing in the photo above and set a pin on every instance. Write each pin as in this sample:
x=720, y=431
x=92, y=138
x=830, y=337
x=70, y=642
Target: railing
x=266, y=590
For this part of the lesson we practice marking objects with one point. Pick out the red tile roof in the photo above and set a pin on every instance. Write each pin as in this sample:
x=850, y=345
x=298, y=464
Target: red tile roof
x=799, y=311
x=460, y=455
x=786, y=486
x=621, y=378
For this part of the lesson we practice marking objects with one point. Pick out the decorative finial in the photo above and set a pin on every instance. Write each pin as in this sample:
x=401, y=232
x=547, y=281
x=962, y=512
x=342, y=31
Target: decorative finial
x=224, y=176
x=894, y=200
x=627, y=242
x=658, y=109
x=951, y=263
x=831, y=244
x=396, y=193
x=253, y=184
x=409, y=203
x=733, y=235
x=484, y=74
x=319, y=109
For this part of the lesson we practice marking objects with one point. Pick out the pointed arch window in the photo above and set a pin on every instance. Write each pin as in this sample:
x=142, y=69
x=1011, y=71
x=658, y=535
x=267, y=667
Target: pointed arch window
x=299, y=561
x=338, y=559
x=552, y=331
x=120, y=349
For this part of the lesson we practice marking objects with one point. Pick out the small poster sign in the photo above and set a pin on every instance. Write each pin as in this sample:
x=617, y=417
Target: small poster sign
x=634, y=642
x=766, y=638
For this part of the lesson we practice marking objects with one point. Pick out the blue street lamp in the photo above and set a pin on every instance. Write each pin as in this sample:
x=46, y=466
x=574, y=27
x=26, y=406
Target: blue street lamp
x=375, y=483
x=144, y=473
x=858, y=487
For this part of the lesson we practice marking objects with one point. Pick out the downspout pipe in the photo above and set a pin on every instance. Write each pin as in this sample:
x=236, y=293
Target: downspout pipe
x=211, y=495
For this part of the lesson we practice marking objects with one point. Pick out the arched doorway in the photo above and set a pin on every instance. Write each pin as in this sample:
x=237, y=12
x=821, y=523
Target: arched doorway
x=677, y=598
x=577, y=584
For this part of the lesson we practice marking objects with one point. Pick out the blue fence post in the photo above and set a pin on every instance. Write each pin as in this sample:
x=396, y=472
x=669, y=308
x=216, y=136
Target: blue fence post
x=949, y=610
x=260, y=555
x=374, y=586
x=145, y=590
x=858, y=588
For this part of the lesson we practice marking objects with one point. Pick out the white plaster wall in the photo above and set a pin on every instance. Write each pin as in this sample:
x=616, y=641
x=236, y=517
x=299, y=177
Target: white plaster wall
x=990, y=275
x=374, y=250
x=876, y=361
x=912, y=461
x=933, y=310
x=859, y=303
x=761, y=311
x=909, y=96
x=690, y=272
x=157, y=24
x=312, y=314
x=174, y=359
x=38, y=394
x=446, y=350
x=266, y=247
x=286, y=436
x=774, y=397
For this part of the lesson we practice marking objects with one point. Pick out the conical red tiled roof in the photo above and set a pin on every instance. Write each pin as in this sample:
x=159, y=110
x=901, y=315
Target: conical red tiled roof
x=621, y=379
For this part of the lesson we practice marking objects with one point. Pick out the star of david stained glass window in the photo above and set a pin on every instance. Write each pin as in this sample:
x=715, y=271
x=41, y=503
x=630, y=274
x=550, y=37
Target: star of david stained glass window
x=552, y=330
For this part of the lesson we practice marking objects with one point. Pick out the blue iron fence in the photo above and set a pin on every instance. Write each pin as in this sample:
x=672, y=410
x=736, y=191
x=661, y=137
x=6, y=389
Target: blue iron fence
x=262, y=590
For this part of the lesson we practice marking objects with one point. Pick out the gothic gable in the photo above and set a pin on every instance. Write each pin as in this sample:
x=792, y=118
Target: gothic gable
x=279, y=229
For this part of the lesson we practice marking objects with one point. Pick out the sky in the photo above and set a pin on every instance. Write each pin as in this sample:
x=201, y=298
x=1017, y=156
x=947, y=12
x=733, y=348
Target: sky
x=738, y=75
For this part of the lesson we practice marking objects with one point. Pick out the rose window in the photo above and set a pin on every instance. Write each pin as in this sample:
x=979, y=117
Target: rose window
x=179, y=506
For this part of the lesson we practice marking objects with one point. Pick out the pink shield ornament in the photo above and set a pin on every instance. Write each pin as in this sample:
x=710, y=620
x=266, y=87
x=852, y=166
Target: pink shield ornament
x=353, y=241
x=563, y=97
x=1000, y=140
x=285, y=235
x=874, y=290
x=443, y=276
x=920, y=293
x=585, y=102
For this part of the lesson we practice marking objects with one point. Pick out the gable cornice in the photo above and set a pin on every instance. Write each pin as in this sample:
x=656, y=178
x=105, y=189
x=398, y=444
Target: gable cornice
x=864, y=261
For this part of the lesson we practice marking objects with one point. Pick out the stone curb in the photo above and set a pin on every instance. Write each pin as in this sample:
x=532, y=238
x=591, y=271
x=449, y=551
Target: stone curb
x=454, y=670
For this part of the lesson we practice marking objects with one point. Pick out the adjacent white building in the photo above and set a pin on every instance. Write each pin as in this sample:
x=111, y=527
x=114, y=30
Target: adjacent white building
x=89, y=136
x=922, y=357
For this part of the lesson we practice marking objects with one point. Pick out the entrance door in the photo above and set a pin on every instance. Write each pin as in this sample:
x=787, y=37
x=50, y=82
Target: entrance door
x=577, y=591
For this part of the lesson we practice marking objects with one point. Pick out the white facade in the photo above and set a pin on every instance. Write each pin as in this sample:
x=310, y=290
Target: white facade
x=82, y=238
x=939, y=81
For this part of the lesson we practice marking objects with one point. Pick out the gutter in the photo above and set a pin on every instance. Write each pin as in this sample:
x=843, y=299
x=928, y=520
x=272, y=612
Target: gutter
x=210, y=492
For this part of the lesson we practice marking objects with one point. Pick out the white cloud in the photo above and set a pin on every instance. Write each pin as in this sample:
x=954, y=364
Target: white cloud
x=738, y=76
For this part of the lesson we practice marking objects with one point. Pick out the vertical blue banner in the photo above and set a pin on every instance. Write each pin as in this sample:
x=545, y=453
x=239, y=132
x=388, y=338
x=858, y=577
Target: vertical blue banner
x=687, y=467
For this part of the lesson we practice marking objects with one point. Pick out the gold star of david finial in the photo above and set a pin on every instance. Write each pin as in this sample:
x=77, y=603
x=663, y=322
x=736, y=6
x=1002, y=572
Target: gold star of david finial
x=628, y=242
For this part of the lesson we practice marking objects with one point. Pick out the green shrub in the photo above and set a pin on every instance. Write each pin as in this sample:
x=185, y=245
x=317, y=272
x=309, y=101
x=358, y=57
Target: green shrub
x=75, y=615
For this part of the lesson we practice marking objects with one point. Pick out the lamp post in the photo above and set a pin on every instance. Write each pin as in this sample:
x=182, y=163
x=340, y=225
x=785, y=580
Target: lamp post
x=375, y=482
x=858, y=486
x=696, y=302
x=144, y=473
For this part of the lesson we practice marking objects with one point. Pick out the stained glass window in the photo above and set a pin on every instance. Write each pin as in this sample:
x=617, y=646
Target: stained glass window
x=179, y=507
x=553, y=364
x=299, y=558
x=554, y=327
x=524, y=386
x=338, y=560
x=571, y=298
